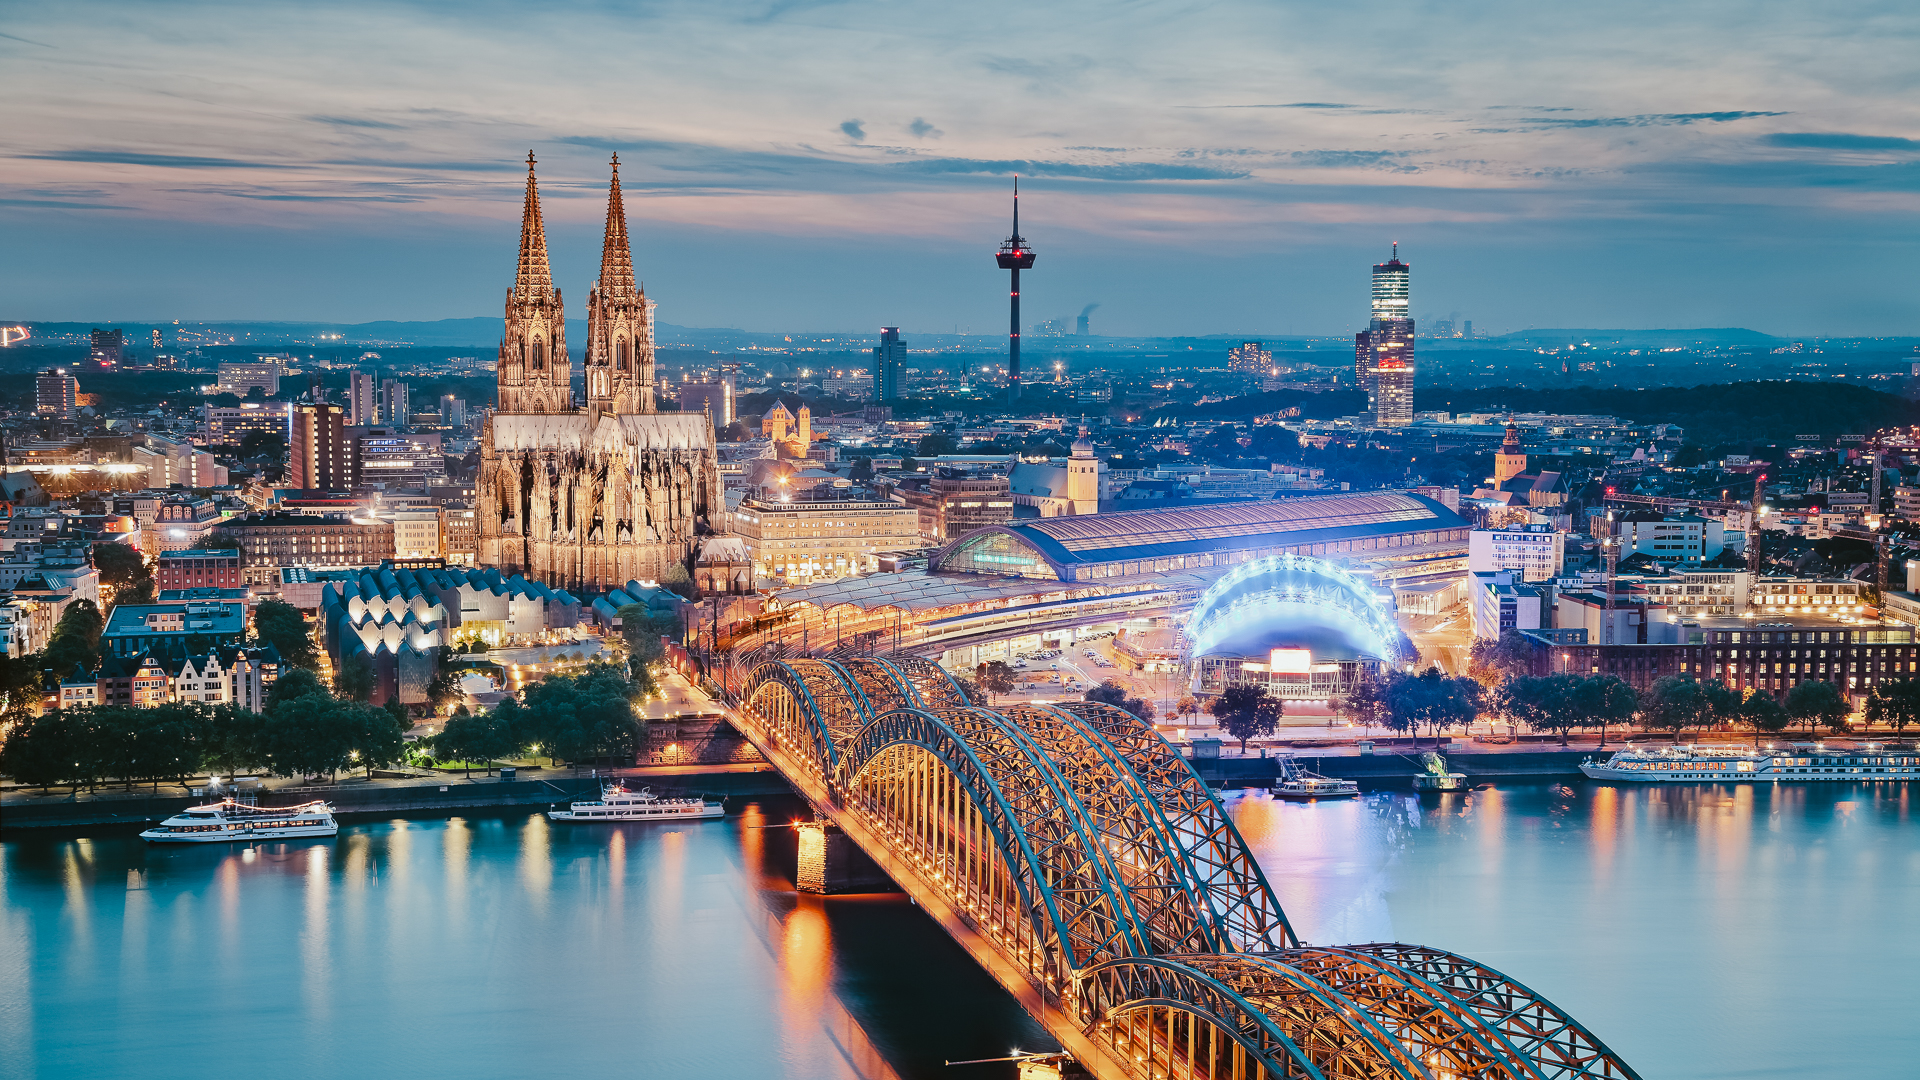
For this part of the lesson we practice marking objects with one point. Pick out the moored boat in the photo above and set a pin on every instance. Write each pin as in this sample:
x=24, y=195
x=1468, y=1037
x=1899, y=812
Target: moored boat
x=230, y=820
x=1433, y=775
x=1800, y=762
x=616, y=803
x=1297, y=783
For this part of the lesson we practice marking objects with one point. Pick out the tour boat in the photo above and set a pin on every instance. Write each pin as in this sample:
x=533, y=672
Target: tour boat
x=1689, y=764
x=1297, y=783
x=229, y=820
x=618, y=804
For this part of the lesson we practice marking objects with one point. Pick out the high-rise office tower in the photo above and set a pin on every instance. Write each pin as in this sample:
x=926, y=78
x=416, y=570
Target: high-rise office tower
x=1383, y=352
x=109, y=347
x=321, y=458
x=363, y=400
x=55, y=392
x=453, y=410
x=1016, y=256
x=1250, y=358
x=889, y=357
x=396, y=402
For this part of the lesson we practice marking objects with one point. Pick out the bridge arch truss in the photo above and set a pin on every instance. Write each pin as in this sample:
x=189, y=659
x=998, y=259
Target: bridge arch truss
x=1074, y=853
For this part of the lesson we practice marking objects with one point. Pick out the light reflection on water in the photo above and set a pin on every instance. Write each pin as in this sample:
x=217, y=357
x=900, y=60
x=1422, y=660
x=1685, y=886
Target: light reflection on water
x=503, y=945
x=1709, y=931
x=1702, y=931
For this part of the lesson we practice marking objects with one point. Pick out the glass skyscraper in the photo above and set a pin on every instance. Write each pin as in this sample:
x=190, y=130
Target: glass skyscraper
x=1383, y=352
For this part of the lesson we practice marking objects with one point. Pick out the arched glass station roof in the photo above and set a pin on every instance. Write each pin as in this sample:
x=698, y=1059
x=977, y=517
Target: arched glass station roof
x=1373, y=524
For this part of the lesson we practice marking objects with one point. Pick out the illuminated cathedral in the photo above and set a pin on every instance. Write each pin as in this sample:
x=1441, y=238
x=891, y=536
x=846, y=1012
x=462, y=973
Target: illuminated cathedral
x=588, y=498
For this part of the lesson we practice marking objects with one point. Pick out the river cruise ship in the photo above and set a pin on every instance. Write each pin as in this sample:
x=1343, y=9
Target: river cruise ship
x=1808, y=762
x=229, y=820
x=618, y=804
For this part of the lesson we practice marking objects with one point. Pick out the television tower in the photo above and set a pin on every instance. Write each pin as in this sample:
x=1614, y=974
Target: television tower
x=1016, y=256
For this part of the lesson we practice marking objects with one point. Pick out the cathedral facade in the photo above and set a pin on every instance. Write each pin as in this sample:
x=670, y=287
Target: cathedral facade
x=588, y=498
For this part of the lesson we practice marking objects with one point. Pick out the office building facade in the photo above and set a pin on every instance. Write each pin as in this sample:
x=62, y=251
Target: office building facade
x=889, y=360
x=1383, y=352
x=321, y=457
x=55, y=393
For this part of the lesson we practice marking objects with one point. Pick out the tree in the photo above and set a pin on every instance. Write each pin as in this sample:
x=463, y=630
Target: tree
x=1763, y=712
x=296, y=683
x=995, y=677
x=1244, y=711
x=1186, y=707
x=1817, y=702
x=1677, y=702
x=1366, y=703
x=1895, y=704
x=592, y=711
x=75, y=639
x=1606, y=699
x=677, y=580
x=1432, y=698
x=379, y=735
x=642, y=627
x=1112, y=693
x=909, y=466
x=462, y=739
x=39, y=750
x=354, y=678
x=233, y=738
x=281, y=625
x=123, y=573
x=1506, y=657
x=935, y=443
x=311, y=735
x=862, y=469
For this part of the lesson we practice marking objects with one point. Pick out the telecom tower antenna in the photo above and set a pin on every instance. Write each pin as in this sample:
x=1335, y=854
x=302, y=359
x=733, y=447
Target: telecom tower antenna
x=1016, y=256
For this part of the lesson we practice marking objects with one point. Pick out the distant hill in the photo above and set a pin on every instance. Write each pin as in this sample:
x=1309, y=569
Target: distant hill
x=1642, y=339
x=1773, y=411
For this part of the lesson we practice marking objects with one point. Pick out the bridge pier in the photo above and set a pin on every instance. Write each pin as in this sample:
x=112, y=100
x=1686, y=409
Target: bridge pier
x=830, y=862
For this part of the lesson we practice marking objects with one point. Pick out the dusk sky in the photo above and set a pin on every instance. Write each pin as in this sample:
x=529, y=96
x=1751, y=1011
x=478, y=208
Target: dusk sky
x=1192, y=167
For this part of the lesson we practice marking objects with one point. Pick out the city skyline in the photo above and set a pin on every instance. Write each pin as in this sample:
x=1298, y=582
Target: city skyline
x=1574, y=172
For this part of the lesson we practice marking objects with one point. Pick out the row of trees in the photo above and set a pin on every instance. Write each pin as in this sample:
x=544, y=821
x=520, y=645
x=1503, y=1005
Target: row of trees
x=589, y=715
x=305, y=731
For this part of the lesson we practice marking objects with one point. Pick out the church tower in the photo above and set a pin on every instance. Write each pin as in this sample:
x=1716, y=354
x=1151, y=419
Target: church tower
x=535, y=374
x=1511, y=461
x=1083, y=477
x=619, y=358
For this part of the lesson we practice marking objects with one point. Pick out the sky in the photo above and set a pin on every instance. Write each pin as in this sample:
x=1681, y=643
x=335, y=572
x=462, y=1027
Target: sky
x=1193, y=168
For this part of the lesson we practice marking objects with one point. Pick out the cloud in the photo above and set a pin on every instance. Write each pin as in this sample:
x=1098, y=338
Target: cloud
x=1348, y=159
x=1139, y=171
x=1287, y=105
x=854, y=129
x=1646, y=120
x=62, y=204
x=1840, y=140
x=354, y=121
x=163, y=161
x=923, y=130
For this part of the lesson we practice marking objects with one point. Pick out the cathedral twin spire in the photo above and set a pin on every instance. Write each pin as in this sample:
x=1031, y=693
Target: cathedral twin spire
x=535, y=371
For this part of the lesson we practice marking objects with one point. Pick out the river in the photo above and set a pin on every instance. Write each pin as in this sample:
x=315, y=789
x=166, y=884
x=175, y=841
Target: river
x=1706, y=931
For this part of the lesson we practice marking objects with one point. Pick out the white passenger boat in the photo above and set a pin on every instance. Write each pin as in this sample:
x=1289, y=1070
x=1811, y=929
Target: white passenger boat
x=229, y=820
x=1800, y=762
x=1297, y=783
x=618, y=804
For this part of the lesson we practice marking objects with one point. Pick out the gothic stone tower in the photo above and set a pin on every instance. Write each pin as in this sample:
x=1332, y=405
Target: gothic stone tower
x=587, y=500
x=535, y=374
x=619, y=358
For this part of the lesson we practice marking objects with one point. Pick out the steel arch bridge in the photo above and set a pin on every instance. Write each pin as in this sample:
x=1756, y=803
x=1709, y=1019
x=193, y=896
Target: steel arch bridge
x=1078, y=858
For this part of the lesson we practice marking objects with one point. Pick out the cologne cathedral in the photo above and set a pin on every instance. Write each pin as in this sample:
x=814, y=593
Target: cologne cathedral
x=587, y=499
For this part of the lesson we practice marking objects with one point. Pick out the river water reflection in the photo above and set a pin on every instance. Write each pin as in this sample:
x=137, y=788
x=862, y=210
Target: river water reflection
x=1704, y=932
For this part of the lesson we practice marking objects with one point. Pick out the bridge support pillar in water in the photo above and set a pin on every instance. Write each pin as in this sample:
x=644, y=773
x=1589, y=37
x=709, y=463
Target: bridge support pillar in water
x=830, y=862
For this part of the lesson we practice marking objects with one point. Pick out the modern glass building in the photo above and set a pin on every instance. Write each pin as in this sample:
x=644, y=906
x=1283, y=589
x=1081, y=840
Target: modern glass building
x=1383, y=353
